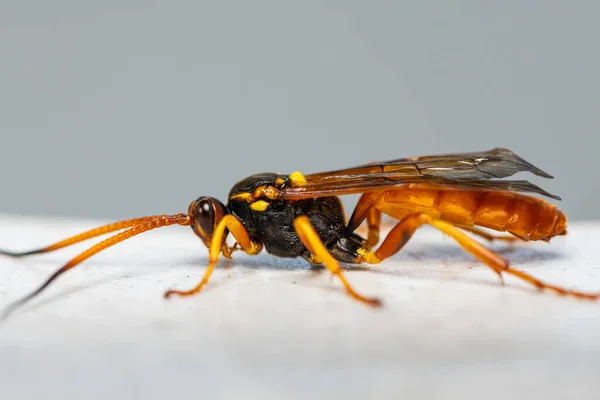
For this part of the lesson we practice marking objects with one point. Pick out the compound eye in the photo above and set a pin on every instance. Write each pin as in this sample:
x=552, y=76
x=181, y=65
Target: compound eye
x=205, y=214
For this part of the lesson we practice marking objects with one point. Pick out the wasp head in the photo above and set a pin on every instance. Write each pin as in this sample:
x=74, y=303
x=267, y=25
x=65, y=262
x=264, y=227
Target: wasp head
x=206, y=214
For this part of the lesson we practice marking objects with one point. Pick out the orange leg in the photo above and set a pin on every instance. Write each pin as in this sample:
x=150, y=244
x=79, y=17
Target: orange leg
x=313, y=243
x=372, y=229
x=404, y=230
x=231, y=223
x=364, y=210
x=374, y=223
x=488, y=236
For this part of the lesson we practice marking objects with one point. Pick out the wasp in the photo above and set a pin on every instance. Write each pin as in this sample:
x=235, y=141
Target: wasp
x=300, y=215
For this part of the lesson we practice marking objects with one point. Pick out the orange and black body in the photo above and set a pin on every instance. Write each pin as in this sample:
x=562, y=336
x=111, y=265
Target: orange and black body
x=273, y=226
x=302, y=216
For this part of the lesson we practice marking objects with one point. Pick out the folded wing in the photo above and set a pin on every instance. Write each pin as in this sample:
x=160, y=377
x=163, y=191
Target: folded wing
x=476, y=170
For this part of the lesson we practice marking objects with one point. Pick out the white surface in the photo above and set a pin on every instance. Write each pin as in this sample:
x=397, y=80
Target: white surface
x=271, y=328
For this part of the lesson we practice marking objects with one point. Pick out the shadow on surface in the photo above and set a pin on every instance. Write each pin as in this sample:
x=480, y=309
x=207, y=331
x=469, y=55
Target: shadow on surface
x=443, y=254
x=514, y=254
x=44, y=301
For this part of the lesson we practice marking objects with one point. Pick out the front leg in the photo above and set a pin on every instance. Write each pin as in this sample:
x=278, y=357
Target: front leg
x=228, y=250
x=231, y=223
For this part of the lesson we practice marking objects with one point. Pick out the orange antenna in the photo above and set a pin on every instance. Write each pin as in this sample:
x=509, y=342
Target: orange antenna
x=142, y=225
x=92, y=233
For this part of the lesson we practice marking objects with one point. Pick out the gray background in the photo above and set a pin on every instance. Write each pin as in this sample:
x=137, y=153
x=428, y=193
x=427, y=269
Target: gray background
x=114, y=109
x=117, y=109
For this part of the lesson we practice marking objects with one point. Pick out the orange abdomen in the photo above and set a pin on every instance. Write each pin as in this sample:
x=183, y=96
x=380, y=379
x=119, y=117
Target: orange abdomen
x=526, y=217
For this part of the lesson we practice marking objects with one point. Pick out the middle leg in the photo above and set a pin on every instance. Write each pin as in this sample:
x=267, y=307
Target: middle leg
x=309, y=237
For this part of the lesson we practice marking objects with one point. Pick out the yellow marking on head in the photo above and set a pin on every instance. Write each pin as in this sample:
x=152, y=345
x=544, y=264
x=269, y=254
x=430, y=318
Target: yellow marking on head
x=297, y=179
x=243, y=196
x=259, y=205
x=279, y=181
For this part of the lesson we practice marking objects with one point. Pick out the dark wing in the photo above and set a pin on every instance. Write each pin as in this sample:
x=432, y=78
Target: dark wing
x=477, y=170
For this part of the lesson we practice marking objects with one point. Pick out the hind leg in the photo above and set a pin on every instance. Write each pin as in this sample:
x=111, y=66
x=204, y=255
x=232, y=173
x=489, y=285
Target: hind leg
x=404, y=230
x=488, y=236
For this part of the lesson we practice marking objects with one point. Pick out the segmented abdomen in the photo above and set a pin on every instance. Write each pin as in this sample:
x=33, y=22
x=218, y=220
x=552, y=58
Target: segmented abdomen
x=526, y=217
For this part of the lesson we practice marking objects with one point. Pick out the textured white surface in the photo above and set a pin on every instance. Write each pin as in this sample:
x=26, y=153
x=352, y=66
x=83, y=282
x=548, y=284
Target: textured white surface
x=271, y=328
